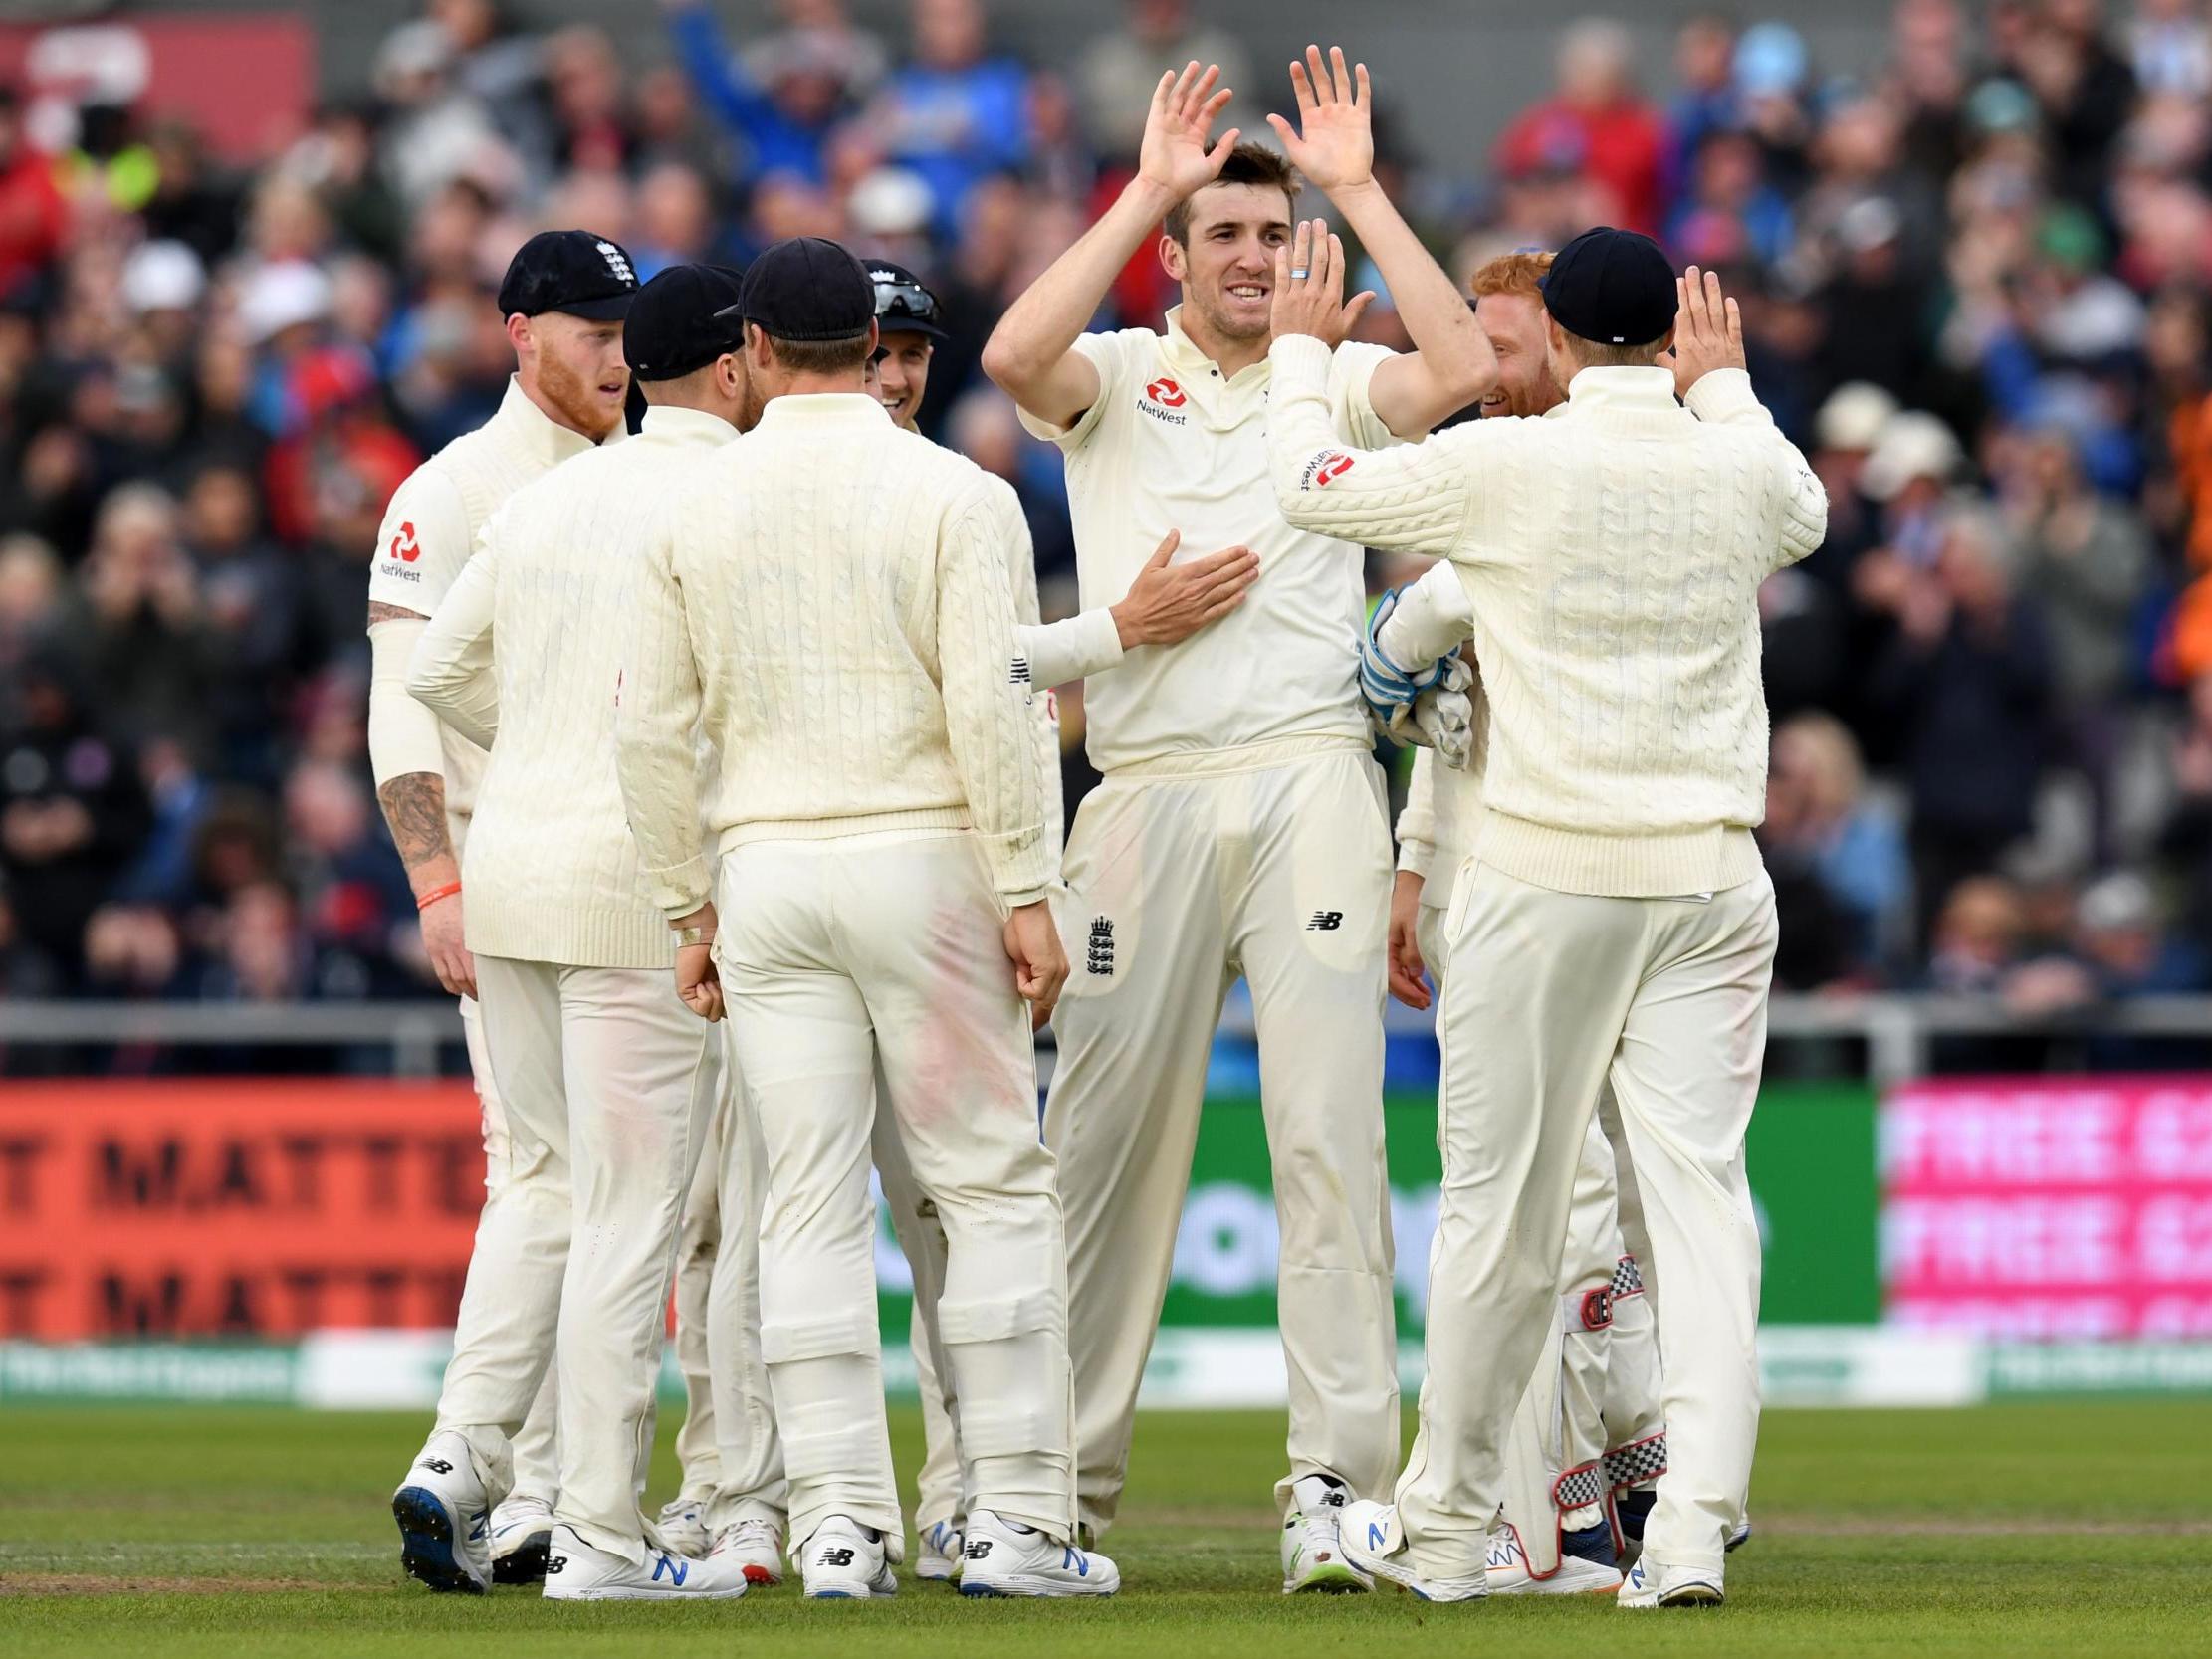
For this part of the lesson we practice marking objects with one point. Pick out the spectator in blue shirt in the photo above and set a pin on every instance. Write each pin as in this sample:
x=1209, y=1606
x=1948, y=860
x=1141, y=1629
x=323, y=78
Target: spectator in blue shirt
x=953, y=115
x=785, y=125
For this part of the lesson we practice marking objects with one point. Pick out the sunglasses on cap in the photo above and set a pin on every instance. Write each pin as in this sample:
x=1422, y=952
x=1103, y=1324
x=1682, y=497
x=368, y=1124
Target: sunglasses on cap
x=906, y=304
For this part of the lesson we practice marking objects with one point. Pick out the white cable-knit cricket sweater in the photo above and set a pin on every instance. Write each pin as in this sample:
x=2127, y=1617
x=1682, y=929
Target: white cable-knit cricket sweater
x=526, y=648
x=829, y=601
x=1612, y=557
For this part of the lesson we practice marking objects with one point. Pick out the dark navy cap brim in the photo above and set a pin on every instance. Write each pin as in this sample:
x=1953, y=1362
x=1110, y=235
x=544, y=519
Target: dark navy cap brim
x=613, y=309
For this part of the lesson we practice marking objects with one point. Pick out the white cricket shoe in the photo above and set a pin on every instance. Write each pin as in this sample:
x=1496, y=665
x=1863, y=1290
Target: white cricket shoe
x=842, y=1563
x=1312, y=1553
x=938, y=1559
x=443, y=1518
x=1002, y=1559
x=682, y=1526
x=522, y=1531
x=1509, y=1575
x=1375, y=1543
x=580, y=1572
x=757, y=1546
x=1674, y=1588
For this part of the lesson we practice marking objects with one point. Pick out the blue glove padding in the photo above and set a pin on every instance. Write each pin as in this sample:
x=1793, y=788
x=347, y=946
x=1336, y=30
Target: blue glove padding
x=1385, y=687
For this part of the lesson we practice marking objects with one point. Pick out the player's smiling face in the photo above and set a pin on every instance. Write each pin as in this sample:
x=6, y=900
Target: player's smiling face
x=1227, y=268
x=902, y=373
x=1514, y=324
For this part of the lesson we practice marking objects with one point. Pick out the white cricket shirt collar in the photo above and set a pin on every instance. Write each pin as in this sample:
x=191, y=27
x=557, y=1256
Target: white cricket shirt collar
x=538, y=434
x=668, y=423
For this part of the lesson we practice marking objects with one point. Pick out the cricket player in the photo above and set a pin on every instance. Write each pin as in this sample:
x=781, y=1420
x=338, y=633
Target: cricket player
x=1614, y=923
x=1590, y=1417
x=830, y=602
x=598, y=1060
x=563, y=296
x=1240, y=828
x=719, y=1269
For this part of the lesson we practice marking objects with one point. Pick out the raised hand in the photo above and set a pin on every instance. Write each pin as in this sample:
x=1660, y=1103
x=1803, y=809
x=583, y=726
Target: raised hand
x=1708, y=330
x=1309, y=288
x=1333, y=143
x=1174, y=155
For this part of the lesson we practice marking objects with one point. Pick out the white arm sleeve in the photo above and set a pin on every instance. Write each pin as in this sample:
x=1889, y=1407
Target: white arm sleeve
x=1432, y=618
x=403, y=735
x=1072, y=648
x=1417, y=821
x=451, y=670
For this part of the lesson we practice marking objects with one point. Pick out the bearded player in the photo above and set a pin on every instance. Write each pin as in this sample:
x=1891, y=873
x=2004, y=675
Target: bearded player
x=565, y=296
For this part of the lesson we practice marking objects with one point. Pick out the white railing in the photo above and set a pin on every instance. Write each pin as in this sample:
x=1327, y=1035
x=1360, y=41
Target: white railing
x=1897, y=1029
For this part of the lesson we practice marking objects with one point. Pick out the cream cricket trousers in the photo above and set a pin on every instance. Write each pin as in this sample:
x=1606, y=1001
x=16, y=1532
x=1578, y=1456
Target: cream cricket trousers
x=1548, y=996
x=698, y=1248
x=605, y=1078
x=837, y=954
x=748, y=1455
x=718, y=1334
x=1592, y=1406
x=1279, y=871
x=529, y=1464
x=921, y=1236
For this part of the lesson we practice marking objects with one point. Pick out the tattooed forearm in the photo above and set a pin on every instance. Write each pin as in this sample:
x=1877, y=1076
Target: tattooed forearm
x=378, y=611
x=414, y=808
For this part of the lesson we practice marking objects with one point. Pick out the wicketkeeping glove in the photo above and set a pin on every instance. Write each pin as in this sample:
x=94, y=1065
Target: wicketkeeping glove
x=1385, y=687
x=1440, y=718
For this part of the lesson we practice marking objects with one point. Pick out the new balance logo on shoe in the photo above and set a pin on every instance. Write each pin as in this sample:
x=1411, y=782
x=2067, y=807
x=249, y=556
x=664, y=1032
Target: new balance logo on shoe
x=557, y=1564
x=437, y=1465
x=1334, y=1496
x=839, y=1557
x=669, y=1564
x=1325, y=921
x=978, y=1550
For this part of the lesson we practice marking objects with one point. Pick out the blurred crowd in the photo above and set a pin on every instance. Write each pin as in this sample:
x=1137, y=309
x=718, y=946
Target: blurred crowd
x=1974, y=274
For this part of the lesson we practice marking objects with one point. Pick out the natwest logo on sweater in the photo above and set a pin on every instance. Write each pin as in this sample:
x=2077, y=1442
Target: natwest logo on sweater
x=1325, y=469
x=1161, y=397
x=405, y=547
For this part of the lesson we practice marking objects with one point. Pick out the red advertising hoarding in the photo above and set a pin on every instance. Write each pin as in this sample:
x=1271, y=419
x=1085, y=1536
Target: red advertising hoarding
x=234, y=1208
x=2049, y=1208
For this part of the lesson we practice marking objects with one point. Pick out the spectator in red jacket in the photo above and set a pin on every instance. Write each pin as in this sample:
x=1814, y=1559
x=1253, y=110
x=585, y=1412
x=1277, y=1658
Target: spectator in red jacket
x=1598, y=111
x=33, y=216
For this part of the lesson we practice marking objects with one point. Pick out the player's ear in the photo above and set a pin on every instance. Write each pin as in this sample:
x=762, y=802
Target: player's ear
x=1175, y=259
x=519, y=334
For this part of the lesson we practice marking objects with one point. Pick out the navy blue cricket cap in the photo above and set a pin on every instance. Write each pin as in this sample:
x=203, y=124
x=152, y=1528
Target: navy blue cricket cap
x=1613, y=287
x=677, y=322
x=575, y=272
x=806, y=287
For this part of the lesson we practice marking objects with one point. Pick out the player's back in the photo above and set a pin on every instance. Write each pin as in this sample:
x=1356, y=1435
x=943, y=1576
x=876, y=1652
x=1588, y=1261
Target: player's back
x=1614, y=561
x=815, y=560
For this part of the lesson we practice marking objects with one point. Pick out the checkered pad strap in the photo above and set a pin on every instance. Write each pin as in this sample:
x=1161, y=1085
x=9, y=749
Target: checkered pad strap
x=1578, y=1487
x=1628, y=1280
x=1636, y=1463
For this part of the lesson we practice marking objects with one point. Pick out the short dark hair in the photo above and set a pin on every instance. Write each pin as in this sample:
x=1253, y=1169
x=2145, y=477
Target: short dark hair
x=831, y=357
x=1246, y=164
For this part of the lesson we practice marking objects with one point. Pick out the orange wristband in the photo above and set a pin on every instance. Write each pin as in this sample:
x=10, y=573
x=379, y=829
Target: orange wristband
x=425, y=901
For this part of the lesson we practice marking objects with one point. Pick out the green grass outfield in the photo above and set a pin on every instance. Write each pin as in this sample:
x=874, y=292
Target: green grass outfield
x=2016, y=1529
